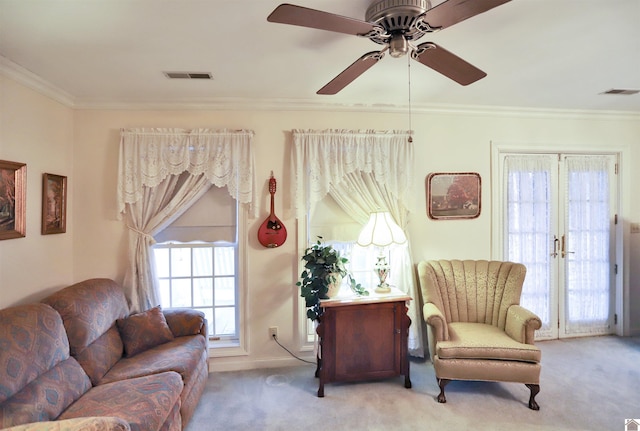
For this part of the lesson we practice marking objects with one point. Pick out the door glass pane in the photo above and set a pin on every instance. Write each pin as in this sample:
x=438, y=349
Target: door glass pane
x=529, y=239
x=587, y=245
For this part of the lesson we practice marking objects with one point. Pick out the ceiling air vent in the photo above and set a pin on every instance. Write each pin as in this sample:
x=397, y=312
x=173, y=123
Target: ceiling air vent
x=624, y=91
x=188, y=75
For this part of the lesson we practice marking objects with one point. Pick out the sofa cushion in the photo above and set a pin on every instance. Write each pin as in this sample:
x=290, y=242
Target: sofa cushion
x=145, y=402
x=185, y=321
x=32, y=341
x=174, y=420
x=484, y=341
x=79, y=424
x=144, y=330
x=102, y=354
x=88, y=310
x=181, y=355
x=47, y=396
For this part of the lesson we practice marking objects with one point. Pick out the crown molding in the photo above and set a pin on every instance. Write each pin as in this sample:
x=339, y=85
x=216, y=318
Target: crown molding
x=31, y=80
x=284, y=105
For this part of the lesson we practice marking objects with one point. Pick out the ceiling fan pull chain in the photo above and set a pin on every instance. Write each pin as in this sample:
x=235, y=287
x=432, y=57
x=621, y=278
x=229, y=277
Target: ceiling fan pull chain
x=409, y=79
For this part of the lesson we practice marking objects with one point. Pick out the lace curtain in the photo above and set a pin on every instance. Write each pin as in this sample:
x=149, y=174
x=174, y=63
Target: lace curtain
x=531, y=182
x=323, y=158
x=161, y=173
x=528, y=183
x=588, y=234
x=363, y=172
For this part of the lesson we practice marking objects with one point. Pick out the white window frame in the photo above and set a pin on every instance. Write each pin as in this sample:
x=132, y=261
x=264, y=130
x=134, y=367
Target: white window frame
x=231, y=347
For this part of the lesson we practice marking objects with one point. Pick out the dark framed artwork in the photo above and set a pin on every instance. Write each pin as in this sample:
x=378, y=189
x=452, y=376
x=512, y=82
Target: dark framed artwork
x=453, y=195
x=13, y=189
x=54, y=204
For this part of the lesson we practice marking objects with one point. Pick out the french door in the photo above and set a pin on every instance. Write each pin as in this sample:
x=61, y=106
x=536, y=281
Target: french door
x=559, y=212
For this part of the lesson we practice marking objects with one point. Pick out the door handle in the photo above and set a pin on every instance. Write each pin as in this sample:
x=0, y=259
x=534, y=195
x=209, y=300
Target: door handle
x=555, y=247
x=563, y=251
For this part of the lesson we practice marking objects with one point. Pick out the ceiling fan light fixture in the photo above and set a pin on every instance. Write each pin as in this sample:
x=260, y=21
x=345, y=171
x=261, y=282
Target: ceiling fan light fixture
x=398, y=25
x=398, y=45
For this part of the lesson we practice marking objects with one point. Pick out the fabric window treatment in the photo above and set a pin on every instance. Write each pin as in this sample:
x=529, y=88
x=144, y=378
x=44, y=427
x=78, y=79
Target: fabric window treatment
x=588, y=230
x=363, y=172
x=528, y=221
x=327, y=156
x=584, y=186
x=148, y=156
x=161, y=173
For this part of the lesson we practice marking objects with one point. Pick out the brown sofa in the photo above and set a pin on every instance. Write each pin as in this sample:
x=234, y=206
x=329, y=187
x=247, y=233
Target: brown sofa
x=80, y=354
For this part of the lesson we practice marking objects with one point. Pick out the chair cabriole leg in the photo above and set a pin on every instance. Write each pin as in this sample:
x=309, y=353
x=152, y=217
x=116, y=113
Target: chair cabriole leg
x=534, y=391
x=442, y=383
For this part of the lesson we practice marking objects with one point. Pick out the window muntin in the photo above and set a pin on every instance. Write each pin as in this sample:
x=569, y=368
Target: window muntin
x=201, y=276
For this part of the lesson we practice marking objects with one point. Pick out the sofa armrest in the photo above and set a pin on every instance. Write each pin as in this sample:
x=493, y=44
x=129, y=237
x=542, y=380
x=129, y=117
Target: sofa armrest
x=434, y=318
x=77, y=424
x=186, y=321
x=522, y=324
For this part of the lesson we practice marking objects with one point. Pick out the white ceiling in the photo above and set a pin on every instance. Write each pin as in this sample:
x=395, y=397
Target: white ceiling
x=540, y=54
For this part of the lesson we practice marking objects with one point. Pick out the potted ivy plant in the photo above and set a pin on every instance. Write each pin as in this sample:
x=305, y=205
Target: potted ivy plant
x=324, y=269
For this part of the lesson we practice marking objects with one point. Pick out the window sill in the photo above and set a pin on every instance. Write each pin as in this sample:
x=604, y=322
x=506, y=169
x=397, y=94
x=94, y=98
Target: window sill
x=226, y=350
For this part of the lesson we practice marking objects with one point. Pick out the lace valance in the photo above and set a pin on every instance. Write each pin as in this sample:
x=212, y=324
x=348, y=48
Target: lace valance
x=148, y=156
x=322, y=158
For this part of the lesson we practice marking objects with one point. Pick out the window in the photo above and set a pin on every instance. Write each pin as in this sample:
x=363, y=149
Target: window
x=360, y=266
x=201, y=276
x=197, y=266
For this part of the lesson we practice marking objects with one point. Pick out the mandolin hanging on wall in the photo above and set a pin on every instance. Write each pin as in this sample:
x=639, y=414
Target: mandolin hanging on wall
x=272, y=232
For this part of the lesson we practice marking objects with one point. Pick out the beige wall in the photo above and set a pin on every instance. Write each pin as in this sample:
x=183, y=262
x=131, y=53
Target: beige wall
x=39, y=132
x=444, y=142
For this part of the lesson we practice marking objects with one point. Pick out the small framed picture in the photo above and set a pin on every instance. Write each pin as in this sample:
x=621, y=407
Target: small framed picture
x=13, y=191
x=54, y=204
x=453, y=195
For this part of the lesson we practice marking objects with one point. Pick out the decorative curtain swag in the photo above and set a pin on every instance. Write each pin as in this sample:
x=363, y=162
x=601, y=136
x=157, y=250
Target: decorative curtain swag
x=149, y=155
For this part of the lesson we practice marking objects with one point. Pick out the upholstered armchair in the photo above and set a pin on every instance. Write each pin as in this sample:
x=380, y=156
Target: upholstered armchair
x=477, y=329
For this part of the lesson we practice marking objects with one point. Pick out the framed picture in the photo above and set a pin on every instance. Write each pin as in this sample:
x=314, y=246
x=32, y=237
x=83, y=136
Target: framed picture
x=13, y=189
x=453, y=195
x=54, y=204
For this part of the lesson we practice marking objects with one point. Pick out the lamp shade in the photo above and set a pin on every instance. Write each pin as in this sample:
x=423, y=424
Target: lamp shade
x=381, y=230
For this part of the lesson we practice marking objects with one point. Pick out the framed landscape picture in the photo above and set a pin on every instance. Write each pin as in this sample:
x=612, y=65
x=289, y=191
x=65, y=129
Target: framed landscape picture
x=13, y=188
x=54, y=204
x=453, y=195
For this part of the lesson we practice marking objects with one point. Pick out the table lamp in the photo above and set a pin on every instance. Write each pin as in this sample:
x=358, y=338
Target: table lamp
x=381, y=230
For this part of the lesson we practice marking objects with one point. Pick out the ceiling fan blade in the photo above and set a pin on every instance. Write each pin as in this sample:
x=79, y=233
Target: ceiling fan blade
x=447, y=63
x=453, y=11
x=356, y=69
x=305, y=17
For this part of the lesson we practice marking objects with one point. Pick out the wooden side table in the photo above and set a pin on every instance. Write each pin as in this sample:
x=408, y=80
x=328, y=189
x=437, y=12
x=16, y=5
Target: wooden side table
x=363, y=338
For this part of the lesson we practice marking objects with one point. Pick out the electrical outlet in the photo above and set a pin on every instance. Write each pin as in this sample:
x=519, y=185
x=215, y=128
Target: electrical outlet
x=635, y=227
x=273, y=332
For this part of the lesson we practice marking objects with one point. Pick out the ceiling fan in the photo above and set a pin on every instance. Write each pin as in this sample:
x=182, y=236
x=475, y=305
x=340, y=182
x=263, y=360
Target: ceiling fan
x=395, y=24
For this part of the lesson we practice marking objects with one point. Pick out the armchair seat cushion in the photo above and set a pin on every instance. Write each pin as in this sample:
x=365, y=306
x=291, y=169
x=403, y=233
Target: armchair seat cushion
x=484, y=341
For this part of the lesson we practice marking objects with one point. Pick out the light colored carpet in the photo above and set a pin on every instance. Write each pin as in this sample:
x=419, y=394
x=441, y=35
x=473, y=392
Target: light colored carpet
x=586, y=384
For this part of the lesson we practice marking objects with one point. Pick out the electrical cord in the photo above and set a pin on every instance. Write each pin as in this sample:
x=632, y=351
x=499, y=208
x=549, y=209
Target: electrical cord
x=275, y=338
